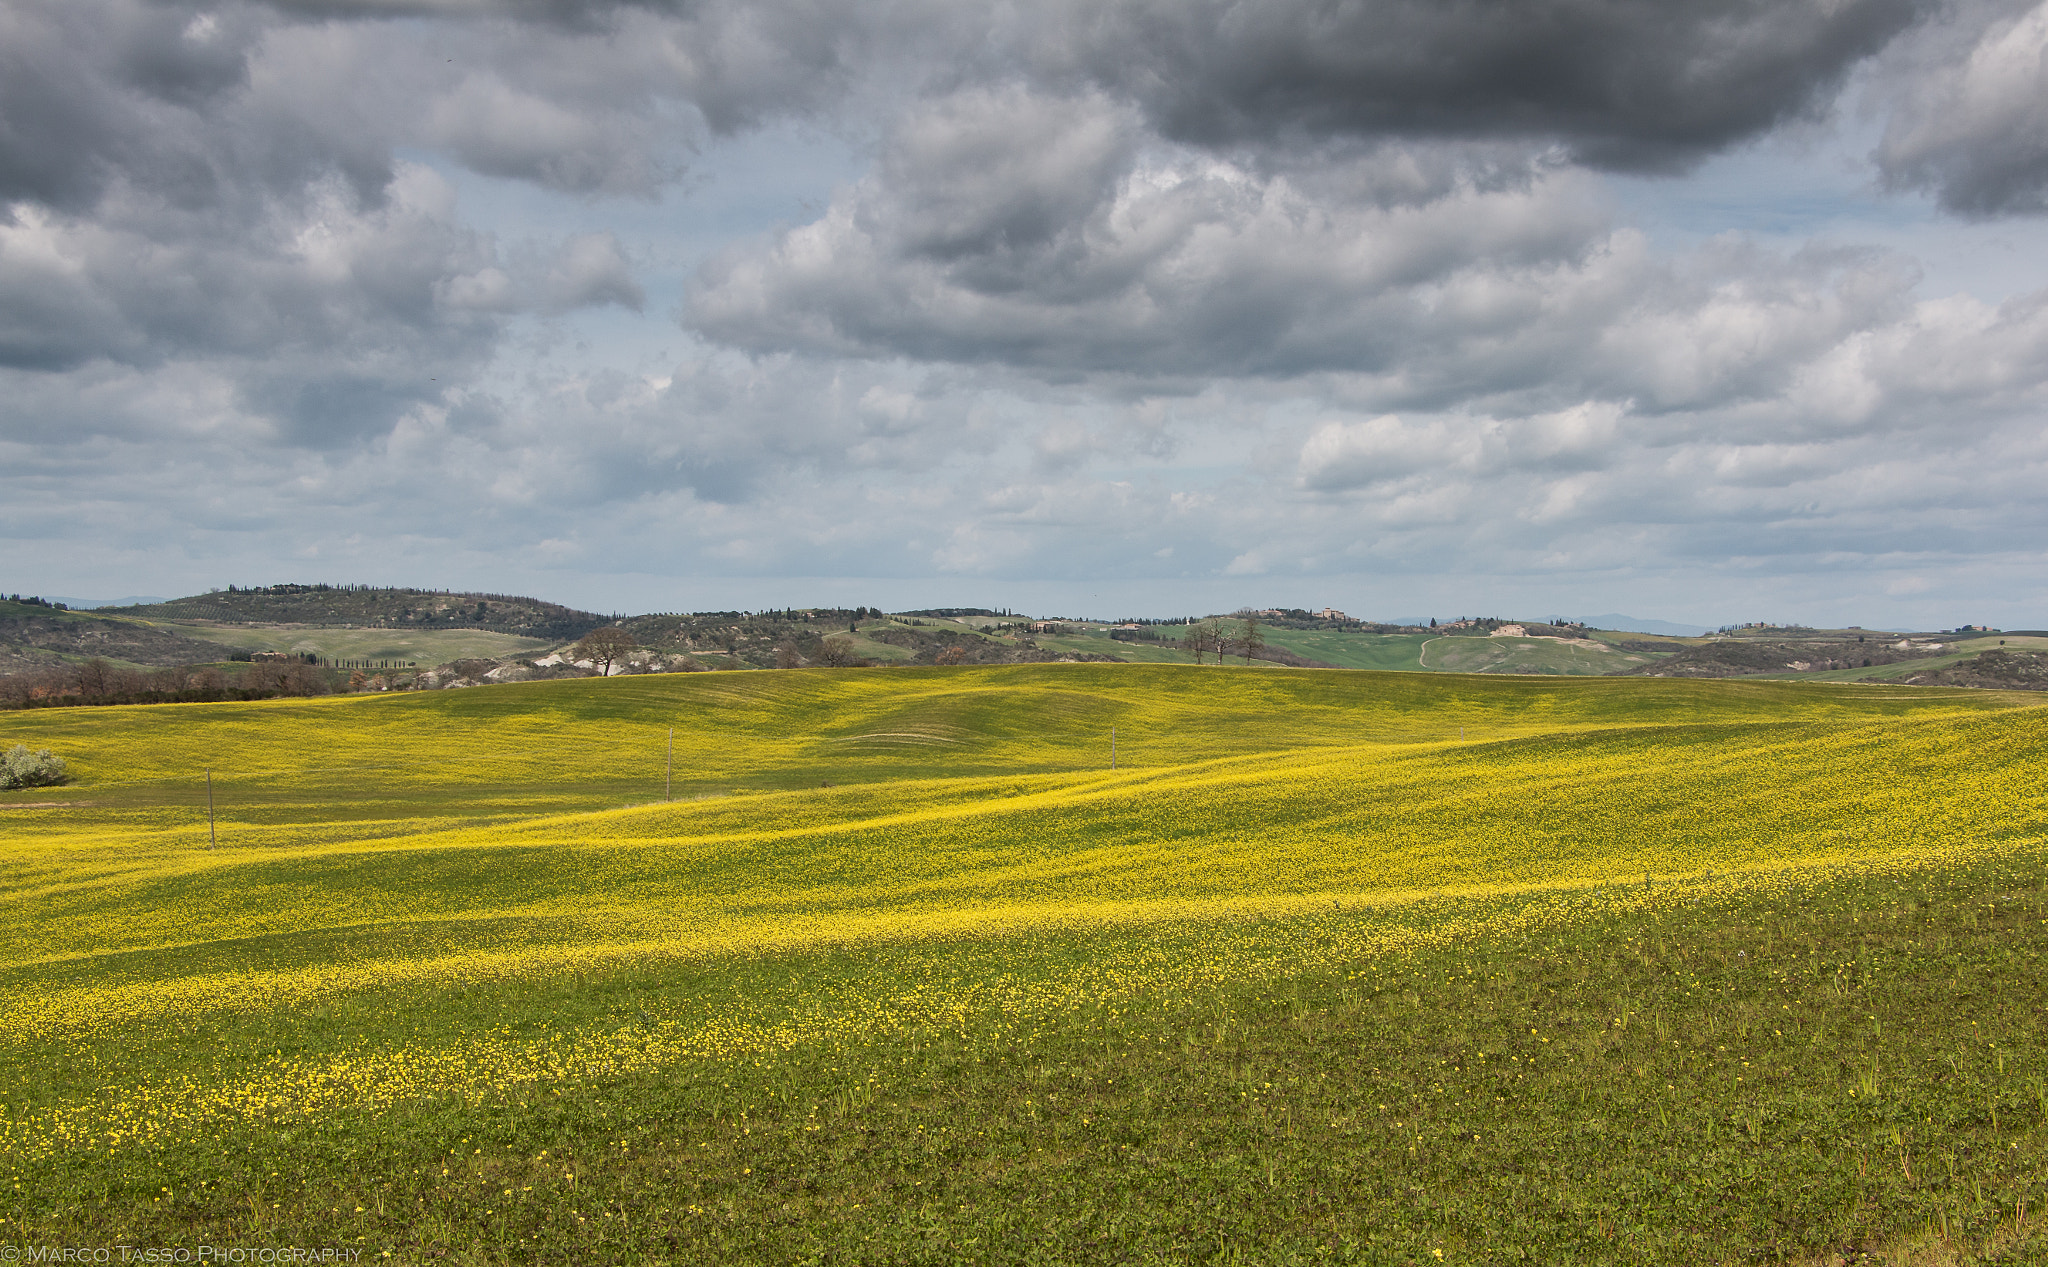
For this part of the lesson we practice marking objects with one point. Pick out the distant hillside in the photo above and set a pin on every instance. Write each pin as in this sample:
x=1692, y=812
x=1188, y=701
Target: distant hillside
x=369, y=607
x=755, y=640
x=743, y=639
x=1740, y=657
x=1996, y=670
x=36, y=637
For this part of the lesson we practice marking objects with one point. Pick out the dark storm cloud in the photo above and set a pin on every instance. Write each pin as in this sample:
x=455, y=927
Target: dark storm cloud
x=98, y=97
x=88, y=91
x=1633, y=84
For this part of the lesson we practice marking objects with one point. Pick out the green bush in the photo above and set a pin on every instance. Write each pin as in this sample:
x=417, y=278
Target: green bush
x=21, y=768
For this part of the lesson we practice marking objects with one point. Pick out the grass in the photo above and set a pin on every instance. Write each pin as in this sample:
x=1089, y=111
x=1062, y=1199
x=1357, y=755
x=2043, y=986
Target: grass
x=1452, y=654
x=1642, y=970
x=1353, y=650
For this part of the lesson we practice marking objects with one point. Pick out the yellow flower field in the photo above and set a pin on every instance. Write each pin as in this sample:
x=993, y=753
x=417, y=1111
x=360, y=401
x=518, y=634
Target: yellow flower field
x=388, y=850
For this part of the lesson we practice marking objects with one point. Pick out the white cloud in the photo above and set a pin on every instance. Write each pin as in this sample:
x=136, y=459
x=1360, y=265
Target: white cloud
x=1974, y=127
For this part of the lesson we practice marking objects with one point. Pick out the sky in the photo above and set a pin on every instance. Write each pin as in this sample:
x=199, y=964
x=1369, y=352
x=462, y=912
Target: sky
x=1723, y=311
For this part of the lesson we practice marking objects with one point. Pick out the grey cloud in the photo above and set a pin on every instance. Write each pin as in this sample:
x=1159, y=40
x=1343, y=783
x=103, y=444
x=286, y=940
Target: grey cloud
x=1970, y=123
x=588, y=270
x=318, y=276
x=1634, y=84
x=591, y=269
x=997, y=175
x=1377, y=452
x=725, y=465
x=1083, y=253
x=227, y=306
x=329, y=321
x=1080, y=252
x=1808, y=387
x=498, y=130
x=724, y=430
x=1629, y=84
x=207, y=104
x=89, y=90
x=1731, y=324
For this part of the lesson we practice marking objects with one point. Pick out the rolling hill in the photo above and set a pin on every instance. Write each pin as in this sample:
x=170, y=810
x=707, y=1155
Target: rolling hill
x=895, y=966
x=372, y=607
x=36, y=637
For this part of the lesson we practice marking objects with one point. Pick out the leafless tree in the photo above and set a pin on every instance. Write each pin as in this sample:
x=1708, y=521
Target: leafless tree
x=96, y=679
x=292, y=677
x=837, y=653
x=603, y=647
x=17, y=689
x=1250, y=638
x=786, y=656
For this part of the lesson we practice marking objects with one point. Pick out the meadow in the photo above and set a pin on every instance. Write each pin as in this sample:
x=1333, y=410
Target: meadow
x=892, y=966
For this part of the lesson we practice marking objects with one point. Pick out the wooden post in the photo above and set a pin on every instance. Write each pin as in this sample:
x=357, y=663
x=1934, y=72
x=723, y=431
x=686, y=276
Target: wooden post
x=211, y=839
x=668, y=774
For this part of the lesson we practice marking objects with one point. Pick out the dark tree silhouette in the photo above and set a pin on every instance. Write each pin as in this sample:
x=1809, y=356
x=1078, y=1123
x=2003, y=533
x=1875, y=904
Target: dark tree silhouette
x=603, y=647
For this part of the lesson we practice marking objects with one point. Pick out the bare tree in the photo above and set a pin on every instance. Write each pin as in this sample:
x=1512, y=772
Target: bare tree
x=95, y=678
x=603, y=647
x=786, y=656
x=1251, y=639
x=293, y=677
x=17, y=689
x=837, y=653
x=955, y=654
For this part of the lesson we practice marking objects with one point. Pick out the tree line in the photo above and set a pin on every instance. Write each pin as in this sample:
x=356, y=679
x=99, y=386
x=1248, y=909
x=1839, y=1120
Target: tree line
x=98, y=681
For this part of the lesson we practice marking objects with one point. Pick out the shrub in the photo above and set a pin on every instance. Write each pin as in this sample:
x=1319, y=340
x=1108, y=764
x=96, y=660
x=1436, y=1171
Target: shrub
x=22, y=768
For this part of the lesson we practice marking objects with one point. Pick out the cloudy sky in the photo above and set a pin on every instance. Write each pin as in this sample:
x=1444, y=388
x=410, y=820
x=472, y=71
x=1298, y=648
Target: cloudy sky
x=1714, y=311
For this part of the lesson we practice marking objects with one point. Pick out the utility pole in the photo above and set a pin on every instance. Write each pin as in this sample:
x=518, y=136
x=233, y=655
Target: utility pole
x=211, y=839
x=668, y=773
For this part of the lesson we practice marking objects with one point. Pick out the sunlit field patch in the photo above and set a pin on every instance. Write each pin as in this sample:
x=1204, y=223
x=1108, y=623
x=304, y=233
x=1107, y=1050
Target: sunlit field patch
x=476, y=913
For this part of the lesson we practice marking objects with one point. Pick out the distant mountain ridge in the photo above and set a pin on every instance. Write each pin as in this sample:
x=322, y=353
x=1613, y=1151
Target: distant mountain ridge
x=1638, y=624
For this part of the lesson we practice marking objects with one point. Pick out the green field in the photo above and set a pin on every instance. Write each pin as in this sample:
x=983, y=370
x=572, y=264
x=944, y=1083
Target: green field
x=1526, y=655
x=1333, y=966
